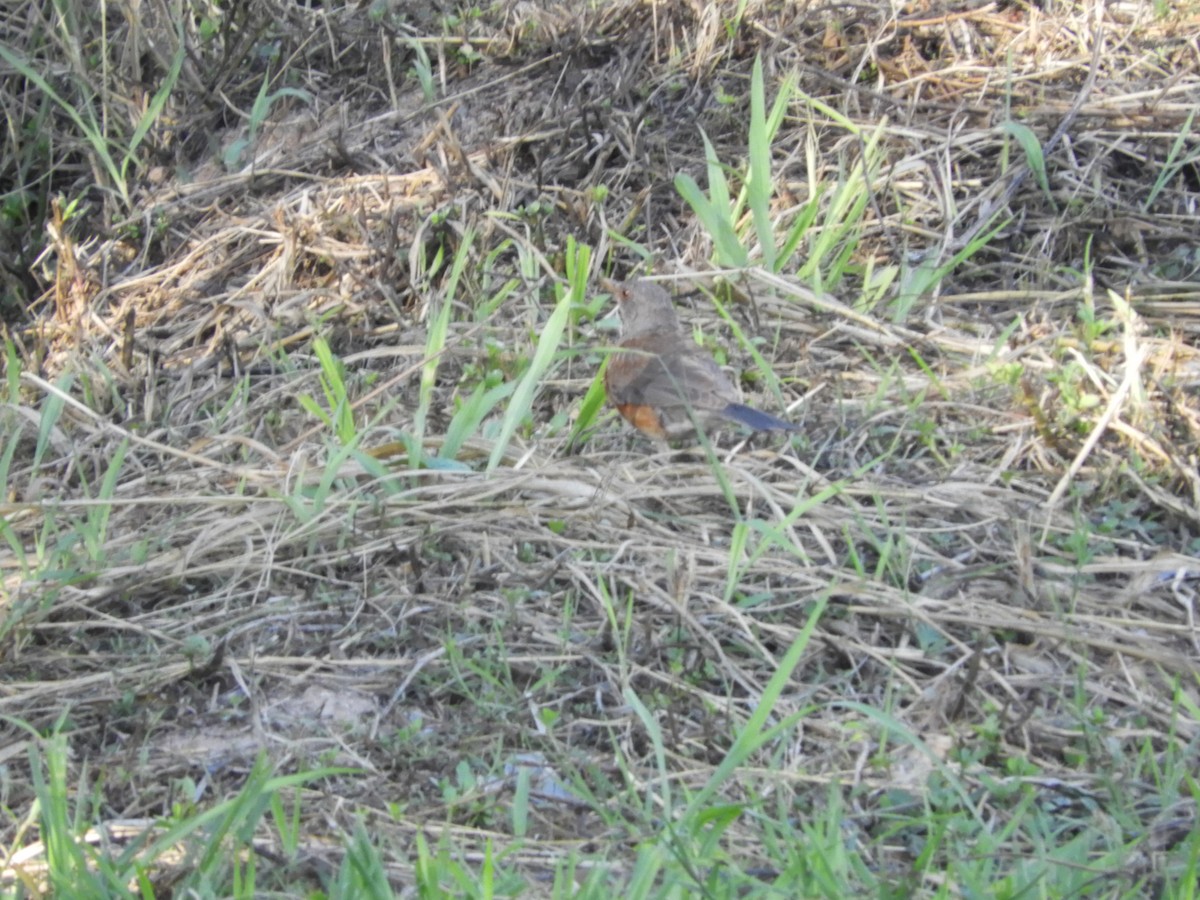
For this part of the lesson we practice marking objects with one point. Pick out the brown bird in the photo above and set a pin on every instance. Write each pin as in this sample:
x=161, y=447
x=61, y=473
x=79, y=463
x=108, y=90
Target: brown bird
x=661, y=382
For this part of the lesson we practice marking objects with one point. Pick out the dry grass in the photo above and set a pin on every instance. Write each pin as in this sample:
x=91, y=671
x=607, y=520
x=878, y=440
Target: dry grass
x=995, y=492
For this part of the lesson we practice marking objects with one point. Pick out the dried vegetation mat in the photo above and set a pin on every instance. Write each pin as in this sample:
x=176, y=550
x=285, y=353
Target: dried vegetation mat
x=304, y=457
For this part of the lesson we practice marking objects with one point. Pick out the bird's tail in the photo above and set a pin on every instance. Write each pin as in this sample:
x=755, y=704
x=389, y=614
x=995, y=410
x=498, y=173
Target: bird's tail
x=756, y=419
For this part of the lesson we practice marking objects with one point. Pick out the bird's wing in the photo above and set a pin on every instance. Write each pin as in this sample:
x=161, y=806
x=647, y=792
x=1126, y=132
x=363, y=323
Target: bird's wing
x=632, y=373
x=675, y=380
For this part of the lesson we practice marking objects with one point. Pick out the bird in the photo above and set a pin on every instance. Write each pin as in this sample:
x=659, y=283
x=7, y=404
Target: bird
x=663, y=384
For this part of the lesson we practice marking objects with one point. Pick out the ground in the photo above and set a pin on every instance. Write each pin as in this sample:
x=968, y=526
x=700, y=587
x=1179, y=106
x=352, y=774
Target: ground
x=323, y=555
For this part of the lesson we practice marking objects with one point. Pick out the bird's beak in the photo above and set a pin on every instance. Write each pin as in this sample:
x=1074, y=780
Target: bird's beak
x=613, y=317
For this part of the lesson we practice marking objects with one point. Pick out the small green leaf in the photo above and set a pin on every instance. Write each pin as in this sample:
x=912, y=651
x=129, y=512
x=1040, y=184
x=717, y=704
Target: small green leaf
x=1032, y=148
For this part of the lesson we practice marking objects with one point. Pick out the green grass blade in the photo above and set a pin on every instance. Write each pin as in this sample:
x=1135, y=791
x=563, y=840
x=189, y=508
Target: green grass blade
x=543, y=358
x=729, y=249
x=591, y=405
x=1032, y=149
x=337, y=397
x=758, y=179
x=755, y=733
x=154, y=109
x=90, y=130
x=1172, y=164
x=468, y=417
x=52, y=408
x=12, y=371
x=800, y=225
x=718, y=185
x=98, y=515
x=435, y=345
